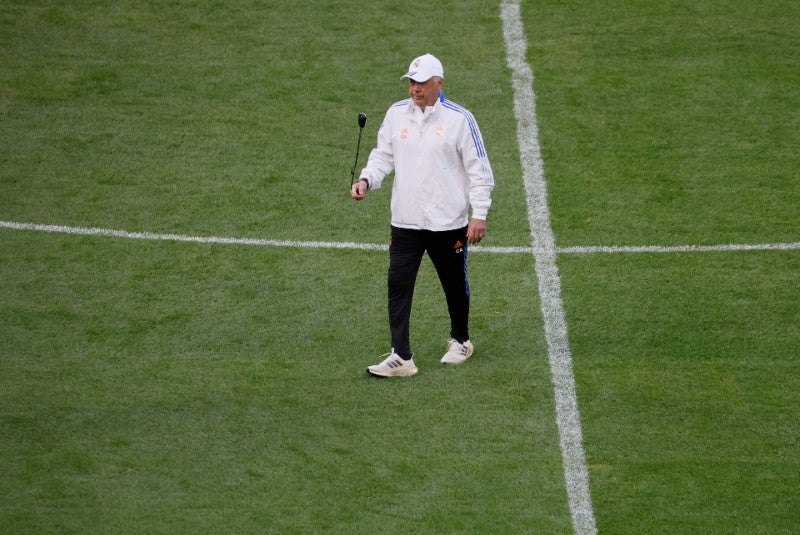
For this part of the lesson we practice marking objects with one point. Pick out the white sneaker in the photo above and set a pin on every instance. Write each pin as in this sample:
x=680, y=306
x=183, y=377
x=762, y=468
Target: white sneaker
x=457, y=353
x=393, y=365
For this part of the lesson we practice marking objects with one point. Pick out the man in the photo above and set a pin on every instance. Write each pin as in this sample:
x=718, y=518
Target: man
x=441, y=169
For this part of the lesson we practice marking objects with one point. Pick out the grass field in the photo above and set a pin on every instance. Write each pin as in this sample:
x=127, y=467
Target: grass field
x=167, y=386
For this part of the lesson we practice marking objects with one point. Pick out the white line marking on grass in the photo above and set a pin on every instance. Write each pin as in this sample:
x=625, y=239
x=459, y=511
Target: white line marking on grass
x=196, y=239
x=544, y=252
x=680, y=248
x=83, y=231
x=261, y=242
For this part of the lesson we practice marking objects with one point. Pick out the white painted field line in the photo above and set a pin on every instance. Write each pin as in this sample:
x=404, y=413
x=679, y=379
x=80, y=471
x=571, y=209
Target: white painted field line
x=679, y=248
x=195, y=239
x=261, y=242
x=93, y=231
x=544, y=252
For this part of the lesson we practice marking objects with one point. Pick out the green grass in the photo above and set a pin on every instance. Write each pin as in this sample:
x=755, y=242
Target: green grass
x=200, y=388
x=222, y=118
x=669, y=122
x=690, y=381
x=180, y=387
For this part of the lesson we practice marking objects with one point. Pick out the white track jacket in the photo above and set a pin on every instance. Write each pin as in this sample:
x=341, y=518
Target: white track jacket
x=439, y=162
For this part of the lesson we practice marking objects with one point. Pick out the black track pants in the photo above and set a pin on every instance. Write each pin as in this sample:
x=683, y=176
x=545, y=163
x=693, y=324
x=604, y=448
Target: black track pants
x=448, y=253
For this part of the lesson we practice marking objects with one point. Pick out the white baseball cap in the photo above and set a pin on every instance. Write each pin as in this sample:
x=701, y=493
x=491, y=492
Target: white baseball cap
x=423, y=68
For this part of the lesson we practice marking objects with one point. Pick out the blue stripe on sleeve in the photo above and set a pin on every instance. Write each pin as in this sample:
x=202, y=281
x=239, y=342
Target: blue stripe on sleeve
x=473, y=125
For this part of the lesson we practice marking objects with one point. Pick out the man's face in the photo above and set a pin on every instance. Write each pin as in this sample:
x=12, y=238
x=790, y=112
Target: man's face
x=425, y=93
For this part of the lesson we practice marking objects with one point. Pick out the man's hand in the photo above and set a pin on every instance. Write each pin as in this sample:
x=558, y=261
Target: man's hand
x=476, y=230
x=358, y=190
